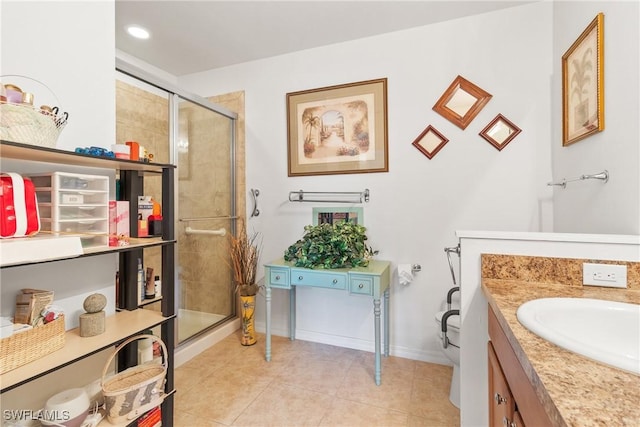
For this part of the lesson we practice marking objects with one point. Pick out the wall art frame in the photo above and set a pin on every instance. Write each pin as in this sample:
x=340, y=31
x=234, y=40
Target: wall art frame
x=461, y=102
x=430, y=141
x=331, y=215
x=338, y=129
x=500, y=131
x=583, y=84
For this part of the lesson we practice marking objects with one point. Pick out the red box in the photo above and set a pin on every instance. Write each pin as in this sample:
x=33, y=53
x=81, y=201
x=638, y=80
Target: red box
x=153, y=418
x=119, y=232
x=19, y=214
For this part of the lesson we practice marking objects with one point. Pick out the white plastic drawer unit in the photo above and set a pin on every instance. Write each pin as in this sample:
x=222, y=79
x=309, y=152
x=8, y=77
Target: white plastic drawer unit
x=71, y=203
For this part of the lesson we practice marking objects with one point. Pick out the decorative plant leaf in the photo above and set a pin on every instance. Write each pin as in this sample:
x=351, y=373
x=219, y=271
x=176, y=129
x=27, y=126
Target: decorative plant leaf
x=331, y=246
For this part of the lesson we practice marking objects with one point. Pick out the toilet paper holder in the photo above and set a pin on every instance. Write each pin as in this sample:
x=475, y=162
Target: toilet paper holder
x=416, y=268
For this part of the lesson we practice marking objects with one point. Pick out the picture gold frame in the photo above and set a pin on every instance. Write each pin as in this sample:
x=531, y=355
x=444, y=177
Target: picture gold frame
x=461, y=102
x=583, y=84
x=338, y=129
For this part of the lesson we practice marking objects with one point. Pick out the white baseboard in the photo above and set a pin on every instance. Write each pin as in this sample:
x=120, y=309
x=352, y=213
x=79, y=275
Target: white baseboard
x=359, y=344
x=187, y=352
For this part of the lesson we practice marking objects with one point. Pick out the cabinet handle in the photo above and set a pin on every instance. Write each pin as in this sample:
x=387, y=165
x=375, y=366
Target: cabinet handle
x=300, y=277
x=277, y=277
x=499, y=399
x=360, y=286
x=335, y=281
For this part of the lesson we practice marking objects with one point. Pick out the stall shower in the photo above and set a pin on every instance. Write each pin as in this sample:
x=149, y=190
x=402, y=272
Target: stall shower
x=199, y=137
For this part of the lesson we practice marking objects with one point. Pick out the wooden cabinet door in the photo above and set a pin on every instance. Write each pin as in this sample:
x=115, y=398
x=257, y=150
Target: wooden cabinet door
x=517, y=419
x=501, y=404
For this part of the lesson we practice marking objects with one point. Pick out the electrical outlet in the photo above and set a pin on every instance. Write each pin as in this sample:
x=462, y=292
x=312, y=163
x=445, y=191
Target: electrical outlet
x=609, y=275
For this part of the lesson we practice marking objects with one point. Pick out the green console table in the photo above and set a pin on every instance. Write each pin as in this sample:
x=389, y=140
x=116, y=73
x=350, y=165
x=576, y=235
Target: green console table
x=372, y=280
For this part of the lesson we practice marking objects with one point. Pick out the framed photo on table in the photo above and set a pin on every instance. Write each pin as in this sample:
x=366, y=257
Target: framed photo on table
x=583, y=84
x=337, y=214
x=338, y=129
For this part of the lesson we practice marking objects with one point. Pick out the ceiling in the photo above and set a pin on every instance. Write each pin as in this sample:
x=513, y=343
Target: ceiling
x=193, y=36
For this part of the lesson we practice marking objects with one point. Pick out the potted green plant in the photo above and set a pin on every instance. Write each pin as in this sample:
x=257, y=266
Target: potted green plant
x=331, y=246
x=244, y=254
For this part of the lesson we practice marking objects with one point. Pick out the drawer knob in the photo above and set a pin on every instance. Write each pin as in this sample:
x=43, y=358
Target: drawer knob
x=300, y=277
x=499, y=399
x=335, y=281
x=360, y=286
x=277, y=277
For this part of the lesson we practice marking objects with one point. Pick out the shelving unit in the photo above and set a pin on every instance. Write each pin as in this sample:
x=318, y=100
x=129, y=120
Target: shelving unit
x=132, y=319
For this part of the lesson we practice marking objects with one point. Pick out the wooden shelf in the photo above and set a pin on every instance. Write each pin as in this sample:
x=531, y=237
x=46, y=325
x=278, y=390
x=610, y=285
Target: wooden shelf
x=120, y=326
x=37, y=241
x=123, y=324
x=34, y=153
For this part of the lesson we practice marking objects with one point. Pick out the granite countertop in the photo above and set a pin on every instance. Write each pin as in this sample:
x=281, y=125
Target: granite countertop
x=574, y=390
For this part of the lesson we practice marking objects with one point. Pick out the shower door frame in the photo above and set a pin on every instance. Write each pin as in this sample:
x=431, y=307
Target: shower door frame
x=175, y=94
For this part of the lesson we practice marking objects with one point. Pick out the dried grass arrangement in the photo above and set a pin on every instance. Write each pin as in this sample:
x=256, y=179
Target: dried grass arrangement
x=245, y=252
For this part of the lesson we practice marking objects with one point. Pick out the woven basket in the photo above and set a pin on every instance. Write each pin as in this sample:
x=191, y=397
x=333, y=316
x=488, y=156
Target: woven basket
x=134, y=391
x=27, y=123
x=24, y=347
x=23, y=123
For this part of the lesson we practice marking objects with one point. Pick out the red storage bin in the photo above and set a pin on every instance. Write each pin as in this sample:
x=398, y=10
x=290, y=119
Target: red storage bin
x=19, y=214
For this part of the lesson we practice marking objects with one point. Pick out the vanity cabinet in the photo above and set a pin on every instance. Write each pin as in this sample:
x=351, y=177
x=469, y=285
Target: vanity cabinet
x=501, y=404
x=131, y=319
x=512, y=398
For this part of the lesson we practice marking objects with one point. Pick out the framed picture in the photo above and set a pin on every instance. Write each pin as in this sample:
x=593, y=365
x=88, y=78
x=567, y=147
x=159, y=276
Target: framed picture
x=461, y=102
x=338, y=129
x=583, y=84
x=333, y=215
x=430, y=141
x=500, y=131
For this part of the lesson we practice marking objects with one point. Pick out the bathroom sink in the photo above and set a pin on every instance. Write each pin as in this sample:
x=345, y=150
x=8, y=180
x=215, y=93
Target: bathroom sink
x=606, y=331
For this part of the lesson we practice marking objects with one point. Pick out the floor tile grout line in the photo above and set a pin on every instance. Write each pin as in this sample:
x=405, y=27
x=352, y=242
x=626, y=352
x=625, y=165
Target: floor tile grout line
x=253, y=400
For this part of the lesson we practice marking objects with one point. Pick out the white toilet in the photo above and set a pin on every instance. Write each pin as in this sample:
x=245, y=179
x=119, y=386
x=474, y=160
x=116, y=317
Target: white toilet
x=449, y=342
x=452, y=351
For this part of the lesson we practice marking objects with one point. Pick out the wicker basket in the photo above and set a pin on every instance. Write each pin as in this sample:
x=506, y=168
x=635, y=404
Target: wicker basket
x=134, y=391
x=24, y=347
x=27, y=123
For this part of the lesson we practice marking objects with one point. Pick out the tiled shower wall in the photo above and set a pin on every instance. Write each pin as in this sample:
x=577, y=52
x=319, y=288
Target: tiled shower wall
x=204, y=183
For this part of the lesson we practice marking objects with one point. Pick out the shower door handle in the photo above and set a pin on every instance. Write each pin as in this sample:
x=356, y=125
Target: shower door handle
x=254, y=194
x=219, y=232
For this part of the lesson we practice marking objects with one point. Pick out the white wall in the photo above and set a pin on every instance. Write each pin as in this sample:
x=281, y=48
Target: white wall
x=590, y=206
x=70, y=47
x=418, y=204
x=77, y=65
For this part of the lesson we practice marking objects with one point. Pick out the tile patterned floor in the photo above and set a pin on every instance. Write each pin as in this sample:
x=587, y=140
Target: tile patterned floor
x=308, y=384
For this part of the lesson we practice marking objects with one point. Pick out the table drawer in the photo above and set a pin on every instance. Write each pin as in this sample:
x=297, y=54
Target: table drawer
x=362, y=285
x=279, y=278
x=319, y=279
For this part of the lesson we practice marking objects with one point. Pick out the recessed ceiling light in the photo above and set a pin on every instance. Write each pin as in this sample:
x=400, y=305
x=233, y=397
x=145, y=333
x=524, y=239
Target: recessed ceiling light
x=138, y=32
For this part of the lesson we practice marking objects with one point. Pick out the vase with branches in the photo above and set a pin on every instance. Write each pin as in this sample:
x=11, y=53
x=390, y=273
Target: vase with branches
x=244, y=255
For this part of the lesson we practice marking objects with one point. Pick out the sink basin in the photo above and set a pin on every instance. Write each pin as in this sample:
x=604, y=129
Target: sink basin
x=606, y=331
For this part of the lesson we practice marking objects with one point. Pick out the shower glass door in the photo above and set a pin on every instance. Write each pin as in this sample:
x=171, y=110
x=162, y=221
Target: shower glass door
x=204, y=147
